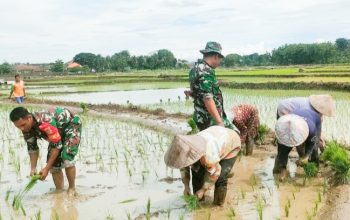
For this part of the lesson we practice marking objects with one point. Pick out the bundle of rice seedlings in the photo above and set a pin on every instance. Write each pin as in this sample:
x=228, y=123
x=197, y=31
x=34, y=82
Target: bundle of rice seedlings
x=310, y=170
x=193, y=126
x=263, y=130
x=192, y=201
x=18, y=198
x=338, y=159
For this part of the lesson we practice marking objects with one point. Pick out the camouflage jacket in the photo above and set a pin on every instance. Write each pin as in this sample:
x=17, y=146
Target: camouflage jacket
x=204, y=84
x=50, y=125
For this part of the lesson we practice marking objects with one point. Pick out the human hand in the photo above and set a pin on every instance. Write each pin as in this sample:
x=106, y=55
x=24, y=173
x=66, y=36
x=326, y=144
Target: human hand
x=302, y=161
x=200, y=194
x=43, y=173
x=33, y=172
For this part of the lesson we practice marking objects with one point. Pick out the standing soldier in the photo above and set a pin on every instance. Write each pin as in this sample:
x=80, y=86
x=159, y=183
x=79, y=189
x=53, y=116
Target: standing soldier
x=62, y=129
x=207, y=96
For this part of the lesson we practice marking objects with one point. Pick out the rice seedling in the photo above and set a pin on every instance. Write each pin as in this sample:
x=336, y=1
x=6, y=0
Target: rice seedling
x=148, y=209
x=243, y=193
x=168, y=212
x=7, y=195
x=128, y=215
x=208, y=214
x=252, y=181
x=260, y=208
x=339, y=162
x=127, y=201
x=286, y=210
x=319, y=197
x=84, y=107
x=38, y=215
x=18, y=198
x=263, y=130
x=310, y=170
x=231, y=215
x=192, y=124
x=308, y=215
x=191, y=201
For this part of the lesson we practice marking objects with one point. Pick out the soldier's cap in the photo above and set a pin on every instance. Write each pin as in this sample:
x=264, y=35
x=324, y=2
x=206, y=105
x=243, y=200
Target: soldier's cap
x=213, y=47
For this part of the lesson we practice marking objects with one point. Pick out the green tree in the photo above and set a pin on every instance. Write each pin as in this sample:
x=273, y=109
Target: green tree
x=5, y=68
x=119, y=61
x=232, y=60
x=57, y=67
x=165, y=59
x=342, y=44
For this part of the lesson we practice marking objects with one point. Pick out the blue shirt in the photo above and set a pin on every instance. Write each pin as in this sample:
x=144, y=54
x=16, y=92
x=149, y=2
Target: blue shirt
x=314, y=123
x=286, y=106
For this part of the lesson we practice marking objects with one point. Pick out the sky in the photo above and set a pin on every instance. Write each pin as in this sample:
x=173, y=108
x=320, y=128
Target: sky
x=42, y=31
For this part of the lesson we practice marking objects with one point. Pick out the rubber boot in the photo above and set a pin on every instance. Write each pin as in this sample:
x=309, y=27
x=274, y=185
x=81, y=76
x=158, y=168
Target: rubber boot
x=249, y=146
x=219, y=195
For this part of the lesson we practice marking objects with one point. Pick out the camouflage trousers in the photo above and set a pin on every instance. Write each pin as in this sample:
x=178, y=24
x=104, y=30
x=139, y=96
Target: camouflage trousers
x=70, y=140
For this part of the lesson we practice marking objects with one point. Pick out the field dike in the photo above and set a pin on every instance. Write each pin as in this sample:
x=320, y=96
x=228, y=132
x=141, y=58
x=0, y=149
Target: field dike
x=253, y=192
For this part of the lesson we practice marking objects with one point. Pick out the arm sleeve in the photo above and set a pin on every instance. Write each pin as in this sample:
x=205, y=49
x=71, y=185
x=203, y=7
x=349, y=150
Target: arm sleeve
x=32, y=144
x=313, y=142
x=211, y=176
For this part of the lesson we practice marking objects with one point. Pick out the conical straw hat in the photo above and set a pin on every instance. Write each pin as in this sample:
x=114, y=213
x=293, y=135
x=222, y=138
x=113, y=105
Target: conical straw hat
x=291, y=130
x=324, y=104
x=185, y=150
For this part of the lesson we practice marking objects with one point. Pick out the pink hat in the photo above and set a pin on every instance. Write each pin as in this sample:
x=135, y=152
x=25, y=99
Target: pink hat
x=291, y=130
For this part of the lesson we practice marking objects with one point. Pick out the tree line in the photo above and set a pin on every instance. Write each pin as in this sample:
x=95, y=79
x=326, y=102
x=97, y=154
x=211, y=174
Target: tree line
x=289, y=54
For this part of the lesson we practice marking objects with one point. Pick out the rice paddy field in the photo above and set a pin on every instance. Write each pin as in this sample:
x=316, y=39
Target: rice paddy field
x=120, y=169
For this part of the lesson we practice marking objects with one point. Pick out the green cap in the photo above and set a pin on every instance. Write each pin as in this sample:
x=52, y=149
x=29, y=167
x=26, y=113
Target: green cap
x=212, y=47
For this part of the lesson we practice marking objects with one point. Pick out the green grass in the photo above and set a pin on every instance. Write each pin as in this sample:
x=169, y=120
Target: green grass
x=263, y=130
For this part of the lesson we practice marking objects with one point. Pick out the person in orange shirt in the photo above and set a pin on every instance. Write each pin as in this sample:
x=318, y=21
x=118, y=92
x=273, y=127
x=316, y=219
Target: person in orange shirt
x=18, y=89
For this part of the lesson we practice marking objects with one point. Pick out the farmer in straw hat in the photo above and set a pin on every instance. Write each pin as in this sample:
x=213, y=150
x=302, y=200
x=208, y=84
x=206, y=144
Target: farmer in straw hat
x=300, y=127
x=211, y=155
x=62, y=129
x=322, y=104
x=246, y=119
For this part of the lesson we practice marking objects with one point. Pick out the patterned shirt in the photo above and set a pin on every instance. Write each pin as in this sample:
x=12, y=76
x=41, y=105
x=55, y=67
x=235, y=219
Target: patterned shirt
x=204, y=84
x=246, y=119
x=222, y=144
x=48, y=125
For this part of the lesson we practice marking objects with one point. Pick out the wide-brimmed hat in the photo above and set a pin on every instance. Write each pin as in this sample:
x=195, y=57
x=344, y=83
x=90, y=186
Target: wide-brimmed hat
x=213, y=47
x=185, y=150
x=291, y=130
x=324, y=104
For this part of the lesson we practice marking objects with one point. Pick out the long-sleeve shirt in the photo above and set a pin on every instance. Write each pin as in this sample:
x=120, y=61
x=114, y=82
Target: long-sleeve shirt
x=48, y=125
x=222, y=144
x=314, y=123
x=286, y=106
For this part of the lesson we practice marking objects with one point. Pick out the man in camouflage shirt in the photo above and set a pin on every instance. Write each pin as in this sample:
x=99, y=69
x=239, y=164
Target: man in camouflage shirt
x=207, y=96
x=62, y=129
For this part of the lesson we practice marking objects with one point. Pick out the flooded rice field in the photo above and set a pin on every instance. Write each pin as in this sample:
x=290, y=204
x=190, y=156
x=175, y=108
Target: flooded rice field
x=136, y=97
x=119, y=167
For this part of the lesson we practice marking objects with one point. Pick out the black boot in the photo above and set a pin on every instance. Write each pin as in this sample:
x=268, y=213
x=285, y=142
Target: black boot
x=249, y=145
x=219, y=195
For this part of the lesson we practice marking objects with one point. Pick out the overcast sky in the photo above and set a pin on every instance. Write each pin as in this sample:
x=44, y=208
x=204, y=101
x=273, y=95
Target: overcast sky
x=39, y=31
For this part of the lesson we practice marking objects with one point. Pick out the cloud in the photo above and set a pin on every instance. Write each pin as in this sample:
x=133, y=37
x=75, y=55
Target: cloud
x=42, y=31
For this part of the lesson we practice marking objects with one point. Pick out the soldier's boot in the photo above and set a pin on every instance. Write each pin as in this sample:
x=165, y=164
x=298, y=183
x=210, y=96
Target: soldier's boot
x=219, y=195
x=249, y=146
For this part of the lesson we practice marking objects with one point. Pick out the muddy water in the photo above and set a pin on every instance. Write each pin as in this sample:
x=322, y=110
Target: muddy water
x=136, y=97
x=119, y=167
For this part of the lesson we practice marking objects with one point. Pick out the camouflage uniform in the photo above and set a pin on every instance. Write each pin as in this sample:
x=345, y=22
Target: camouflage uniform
x=62, y=129
x=204, y=84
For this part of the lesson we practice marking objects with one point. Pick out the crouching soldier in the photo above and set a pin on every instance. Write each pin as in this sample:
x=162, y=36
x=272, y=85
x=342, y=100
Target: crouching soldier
x=62, y=129
x=210, y=154
x=246, y=119
x=301, y=129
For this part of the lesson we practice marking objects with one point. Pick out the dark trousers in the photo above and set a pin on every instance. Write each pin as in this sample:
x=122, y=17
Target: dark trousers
x=283, y=152
x=198, y=176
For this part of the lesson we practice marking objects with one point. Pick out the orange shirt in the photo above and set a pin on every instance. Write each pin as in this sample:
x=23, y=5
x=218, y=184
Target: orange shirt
x=18, y=89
